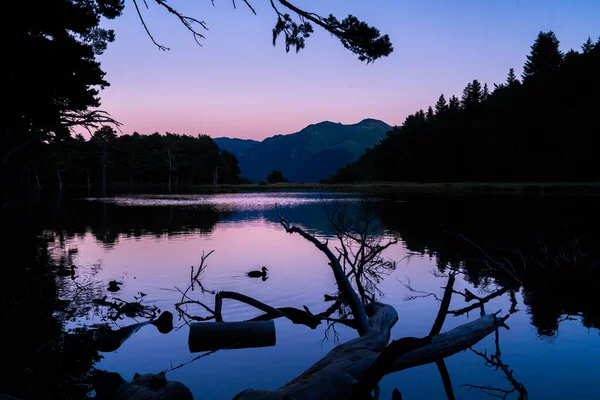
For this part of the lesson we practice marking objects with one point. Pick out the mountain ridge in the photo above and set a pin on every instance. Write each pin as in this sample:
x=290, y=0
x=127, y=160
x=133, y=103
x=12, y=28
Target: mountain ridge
x=309, y=155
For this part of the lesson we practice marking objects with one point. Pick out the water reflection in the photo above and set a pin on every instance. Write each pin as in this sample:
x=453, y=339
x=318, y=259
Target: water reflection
x=548, y=236
x=149, y=243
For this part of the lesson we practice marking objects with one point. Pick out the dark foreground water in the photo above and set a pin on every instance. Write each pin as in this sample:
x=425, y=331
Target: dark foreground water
x=149, y=243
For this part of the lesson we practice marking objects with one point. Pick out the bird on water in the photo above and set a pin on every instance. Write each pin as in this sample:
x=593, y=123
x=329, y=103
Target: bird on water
x=258, y=274
x=113, y=286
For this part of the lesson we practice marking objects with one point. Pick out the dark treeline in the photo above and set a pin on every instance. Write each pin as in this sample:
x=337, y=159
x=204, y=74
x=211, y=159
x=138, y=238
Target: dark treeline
x=171, y=160
x=541, y=128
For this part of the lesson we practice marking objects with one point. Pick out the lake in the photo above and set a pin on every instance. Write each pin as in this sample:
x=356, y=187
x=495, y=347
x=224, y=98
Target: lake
x=149, y=242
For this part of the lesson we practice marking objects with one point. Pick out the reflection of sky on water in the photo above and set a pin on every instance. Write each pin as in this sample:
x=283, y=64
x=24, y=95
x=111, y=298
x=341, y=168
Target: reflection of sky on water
x=230, y=202
x=156, y=264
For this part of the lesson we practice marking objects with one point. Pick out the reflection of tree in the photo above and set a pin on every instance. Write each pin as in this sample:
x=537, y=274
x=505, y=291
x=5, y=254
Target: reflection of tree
x=543, y=241
x=360, y=248
x=494, y=361
x=107, y=222
x=478, y=303
x=44, y=360
x=353, y=370
x=42, y=296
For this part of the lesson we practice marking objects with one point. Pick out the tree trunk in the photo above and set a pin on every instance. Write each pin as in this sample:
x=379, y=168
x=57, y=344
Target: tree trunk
x=104, y=171
x=60, y=183
x=89, y=181
x=335, y=376
x=37, y=179
x=170, y=168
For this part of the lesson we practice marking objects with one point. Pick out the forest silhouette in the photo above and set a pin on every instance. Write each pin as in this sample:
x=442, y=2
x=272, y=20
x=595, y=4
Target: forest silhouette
x=540, y=128
x=171, y=160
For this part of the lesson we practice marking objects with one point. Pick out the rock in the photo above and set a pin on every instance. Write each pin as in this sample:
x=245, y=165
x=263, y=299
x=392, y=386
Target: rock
x=111, y=386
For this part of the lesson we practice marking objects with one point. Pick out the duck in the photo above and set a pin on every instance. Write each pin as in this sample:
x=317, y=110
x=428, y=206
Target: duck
x=259, y=274
x=113, y=286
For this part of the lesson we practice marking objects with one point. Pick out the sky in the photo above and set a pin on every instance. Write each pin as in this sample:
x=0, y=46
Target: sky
x=238, y=85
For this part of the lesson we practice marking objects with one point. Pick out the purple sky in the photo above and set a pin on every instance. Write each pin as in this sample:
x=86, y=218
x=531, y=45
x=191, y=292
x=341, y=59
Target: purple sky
x=239, y=85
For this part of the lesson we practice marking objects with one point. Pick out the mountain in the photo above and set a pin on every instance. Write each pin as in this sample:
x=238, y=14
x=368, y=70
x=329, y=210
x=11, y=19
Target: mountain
x=314, y=153
x=236, y=146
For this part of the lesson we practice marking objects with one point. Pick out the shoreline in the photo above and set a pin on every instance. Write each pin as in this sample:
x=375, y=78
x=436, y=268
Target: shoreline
x=408, y=188
x=442, y=188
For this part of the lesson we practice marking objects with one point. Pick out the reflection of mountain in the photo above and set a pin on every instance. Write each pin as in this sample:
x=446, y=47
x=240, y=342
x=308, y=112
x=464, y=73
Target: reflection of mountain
x=537, y=230
x=311, y=215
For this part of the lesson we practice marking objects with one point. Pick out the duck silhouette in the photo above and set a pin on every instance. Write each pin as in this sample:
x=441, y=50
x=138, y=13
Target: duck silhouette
x=113, y=286
x=259, y=274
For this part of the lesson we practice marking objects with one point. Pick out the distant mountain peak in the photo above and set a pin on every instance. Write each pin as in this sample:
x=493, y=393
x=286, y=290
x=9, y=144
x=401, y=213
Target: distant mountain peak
x=313, y=153
x=371, y=120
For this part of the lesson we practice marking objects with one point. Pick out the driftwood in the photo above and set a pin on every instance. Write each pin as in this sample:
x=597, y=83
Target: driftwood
x=208, y=336
x=110, y=341
x=336, y=375
x=352, y=369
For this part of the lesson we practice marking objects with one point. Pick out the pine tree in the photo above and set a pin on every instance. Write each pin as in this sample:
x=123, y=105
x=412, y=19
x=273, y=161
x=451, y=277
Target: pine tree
x=453, y=105
x=420, y=115
x=429, y=115
x=466, y=96
x=587, y=46
x=476, y=91
x=472, y=94
x=545, y=57
x=441, y=106
x=512, y=78
x=486, y=92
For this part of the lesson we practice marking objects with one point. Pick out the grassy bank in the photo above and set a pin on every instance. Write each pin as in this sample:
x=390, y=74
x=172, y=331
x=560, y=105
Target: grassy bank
x=442, y=189
x=463, y=188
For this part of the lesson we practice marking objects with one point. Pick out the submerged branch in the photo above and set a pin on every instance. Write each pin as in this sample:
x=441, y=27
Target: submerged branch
x=443, y=311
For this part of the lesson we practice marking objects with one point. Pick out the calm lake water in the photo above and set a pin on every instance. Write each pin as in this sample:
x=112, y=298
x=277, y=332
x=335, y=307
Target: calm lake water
x=149, y=243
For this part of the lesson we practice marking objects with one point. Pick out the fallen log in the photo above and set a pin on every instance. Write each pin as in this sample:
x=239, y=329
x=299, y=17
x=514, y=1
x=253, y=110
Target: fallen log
x=335, y=376
x=208, y=336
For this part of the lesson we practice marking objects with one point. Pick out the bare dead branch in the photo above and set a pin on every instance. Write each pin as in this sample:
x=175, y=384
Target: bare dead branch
x=139, y=13
x=417, y=293
x=173, y=368
x=480, y=303
x=344, y=286
x=360, y=249
x=495, y=361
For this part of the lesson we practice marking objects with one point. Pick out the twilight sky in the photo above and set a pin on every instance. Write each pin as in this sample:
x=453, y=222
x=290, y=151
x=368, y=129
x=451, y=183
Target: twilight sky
x=239, y=85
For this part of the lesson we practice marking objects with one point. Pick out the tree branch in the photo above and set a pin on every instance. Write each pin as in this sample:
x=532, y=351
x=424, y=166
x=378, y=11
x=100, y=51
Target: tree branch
x=358, y=310
x=445, y=375
x=443, y=311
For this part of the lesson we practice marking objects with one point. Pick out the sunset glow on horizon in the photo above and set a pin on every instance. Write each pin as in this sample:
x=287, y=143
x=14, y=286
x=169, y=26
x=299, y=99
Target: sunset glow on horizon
x=239, y=85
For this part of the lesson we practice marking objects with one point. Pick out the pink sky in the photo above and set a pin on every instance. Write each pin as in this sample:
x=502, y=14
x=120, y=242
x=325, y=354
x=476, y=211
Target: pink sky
x=239, y=85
